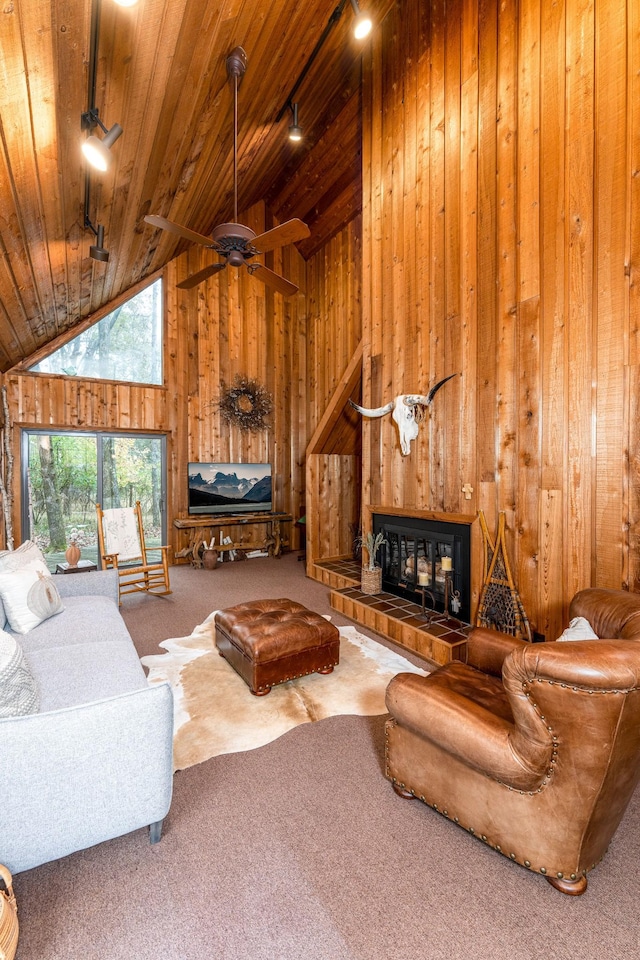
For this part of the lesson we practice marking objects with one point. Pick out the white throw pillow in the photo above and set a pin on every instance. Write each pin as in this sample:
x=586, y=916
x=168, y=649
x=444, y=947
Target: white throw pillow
x=29, y=597
x=579, y=629
x=27, y=556
x=18, y=692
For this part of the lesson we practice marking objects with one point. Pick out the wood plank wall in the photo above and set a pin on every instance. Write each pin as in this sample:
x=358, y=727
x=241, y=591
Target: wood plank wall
x=229, y=325
x=501, y=242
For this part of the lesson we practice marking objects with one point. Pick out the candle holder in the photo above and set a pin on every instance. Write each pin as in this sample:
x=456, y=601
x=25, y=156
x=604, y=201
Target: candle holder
x=428, y=615
x=451, y=596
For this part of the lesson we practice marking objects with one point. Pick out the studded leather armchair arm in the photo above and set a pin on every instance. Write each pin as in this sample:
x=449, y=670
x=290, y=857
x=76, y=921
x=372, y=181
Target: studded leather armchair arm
x=467, y=730
x=488, y=649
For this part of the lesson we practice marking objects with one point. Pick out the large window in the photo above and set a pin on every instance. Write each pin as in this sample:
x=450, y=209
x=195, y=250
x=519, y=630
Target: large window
x=64, y=475
x=125, y=345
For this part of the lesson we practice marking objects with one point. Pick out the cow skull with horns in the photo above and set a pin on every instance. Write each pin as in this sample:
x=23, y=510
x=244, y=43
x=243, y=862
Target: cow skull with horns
x=405, y=412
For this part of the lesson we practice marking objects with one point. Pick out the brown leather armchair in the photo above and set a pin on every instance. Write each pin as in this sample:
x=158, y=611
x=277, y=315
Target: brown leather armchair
x=532, y=748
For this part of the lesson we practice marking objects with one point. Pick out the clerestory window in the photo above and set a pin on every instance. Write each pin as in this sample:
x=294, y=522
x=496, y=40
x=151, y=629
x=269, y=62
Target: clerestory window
x=126, y=345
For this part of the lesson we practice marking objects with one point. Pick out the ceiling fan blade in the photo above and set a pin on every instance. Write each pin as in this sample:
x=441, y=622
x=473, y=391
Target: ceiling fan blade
x=183, y=232
x=285, y=287
x=288, y=232
x=201, y=275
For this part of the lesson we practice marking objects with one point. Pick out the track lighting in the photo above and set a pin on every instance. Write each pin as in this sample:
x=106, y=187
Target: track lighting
x=362, y=24
x=295, y=130
x=361, y=28
x=97, y=250
x=97, y=151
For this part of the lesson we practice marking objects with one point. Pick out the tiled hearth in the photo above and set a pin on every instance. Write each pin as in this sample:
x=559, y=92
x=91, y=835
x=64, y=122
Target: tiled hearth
x=440, y=639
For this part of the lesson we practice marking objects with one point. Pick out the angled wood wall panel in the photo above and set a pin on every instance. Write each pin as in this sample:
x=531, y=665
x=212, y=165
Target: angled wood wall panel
x=333, y=330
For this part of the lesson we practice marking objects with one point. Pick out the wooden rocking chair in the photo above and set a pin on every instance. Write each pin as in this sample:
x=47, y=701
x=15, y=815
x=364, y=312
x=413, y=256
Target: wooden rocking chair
x=122, y=546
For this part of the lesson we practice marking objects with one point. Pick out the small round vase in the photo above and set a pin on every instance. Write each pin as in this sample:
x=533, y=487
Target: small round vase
x=72, y=554
x=209, y=559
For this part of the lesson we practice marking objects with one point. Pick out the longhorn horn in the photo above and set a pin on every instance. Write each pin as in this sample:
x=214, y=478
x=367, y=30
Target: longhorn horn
x=411, y=399
x=375, y=411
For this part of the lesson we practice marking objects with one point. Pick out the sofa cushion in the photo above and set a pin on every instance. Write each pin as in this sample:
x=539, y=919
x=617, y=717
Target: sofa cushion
x=68, y=676
x=29, y=597
x=18, y=691
x=84, y=618
x=28, y=554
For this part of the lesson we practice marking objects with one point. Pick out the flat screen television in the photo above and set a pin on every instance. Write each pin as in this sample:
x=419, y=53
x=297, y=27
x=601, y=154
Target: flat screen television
x=219, y=488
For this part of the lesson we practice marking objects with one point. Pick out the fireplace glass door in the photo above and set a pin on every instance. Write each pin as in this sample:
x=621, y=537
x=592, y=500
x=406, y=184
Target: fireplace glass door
x=417, y=556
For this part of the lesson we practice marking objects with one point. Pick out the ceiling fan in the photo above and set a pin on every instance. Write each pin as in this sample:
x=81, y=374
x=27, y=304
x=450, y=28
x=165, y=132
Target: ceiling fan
x=236, y=243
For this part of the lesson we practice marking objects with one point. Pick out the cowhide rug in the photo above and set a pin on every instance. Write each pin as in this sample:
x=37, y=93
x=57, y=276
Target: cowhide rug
x=215, y=713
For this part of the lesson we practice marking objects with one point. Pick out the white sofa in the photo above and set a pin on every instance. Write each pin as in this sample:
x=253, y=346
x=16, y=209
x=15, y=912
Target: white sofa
x=95, y=761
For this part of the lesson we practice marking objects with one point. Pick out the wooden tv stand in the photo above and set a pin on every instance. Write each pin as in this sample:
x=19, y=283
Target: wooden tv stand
x=203, y=529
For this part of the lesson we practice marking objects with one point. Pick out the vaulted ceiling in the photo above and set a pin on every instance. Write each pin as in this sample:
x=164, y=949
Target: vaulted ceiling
x=161, y=74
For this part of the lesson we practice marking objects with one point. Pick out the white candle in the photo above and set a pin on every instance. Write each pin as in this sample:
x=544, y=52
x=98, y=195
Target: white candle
x=423, y=579
x=445, y=563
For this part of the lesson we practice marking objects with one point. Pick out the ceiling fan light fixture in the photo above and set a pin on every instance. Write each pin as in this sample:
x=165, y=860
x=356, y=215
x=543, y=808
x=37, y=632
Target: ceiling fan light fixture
x=96, y=151
x=362, y=24
x=295, y=130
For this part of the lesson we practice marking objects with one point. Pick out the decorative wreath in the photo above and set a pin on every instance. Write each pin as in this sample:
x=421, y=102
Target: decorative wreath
x=246, y=403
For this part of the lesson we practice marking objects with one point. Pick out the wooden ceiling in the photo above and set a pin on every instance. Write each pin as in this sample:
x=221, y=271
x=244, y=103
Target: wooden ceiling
x=161, y=74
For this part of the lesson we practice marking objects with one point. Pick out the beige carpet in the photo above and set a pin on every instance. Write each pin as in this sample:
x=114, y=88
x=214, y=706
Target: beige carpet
x=215, y=713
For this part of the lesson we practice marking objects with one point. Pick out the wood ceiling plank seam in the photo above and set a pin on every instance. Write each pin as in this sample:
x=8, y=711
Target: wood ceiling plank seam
x=38, y=51
x=222, y=172
x=11, y=258
x=250, y=145
x=331, y=187
x=151, y=245
x=338, y=215
x=11, y=345
x=171, y=143
x=101, y=185
x=171, y=82
x=220, y=141
x=283, y=65
x=71, y=40
x=187, y=206
x=332, y=150
x=21, y=169
x=149, y=158
x=275, y=175
x=116, y=72
x=143, y=63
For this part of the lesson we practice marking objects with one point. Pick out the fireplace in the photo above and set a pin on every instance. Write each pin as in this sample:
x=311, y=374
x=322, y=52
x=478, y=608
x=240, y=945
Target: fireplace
x=416, y=557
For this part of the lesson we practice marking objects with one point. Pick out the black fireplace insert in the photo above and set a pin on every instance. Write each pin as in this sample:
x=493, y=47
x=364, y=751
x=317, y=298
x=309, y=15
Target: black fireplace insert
x=423, y=559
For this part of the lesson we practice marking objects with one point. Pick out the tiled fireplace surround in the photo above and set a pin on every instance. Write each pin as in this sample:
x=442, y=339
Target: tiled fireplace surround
x=397, y=612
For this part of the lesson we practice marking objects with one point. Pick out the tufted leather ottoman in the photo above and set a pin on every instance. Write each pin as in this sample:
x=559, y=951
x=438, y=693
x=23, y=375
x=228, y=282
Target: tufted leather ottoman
x=271, y=641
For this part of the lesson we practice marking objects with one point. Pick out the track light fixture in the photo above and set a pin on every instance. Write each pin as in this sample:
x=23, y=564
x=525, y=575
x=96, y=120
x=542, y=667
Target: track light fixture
x=295, y=130
x=362, y=24
x=361, y=29
x=97, y=151
x=97, y=250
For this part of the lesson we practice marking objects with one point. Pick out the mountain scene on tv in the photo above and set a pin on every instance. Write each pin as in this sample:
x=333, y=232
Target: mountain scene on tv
x=224, y=488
